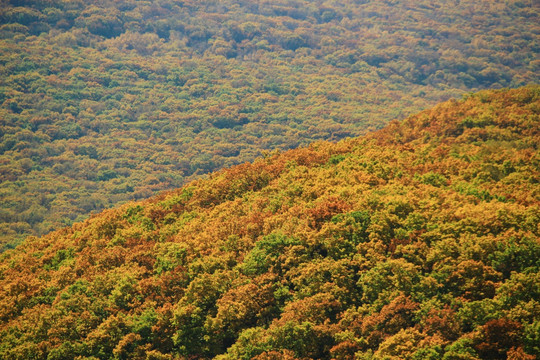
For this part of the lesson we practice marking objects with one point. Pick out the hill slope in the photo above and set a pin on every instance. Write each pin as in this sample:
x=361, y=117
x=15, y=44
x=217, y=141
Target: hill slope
x=107, y=101
x=420, y=241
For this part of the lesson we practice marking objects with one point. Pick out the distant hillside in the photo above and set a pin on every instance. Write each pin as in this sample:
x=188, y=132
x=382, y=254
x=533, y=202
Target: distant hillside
x=102, y=102
x=420, y=241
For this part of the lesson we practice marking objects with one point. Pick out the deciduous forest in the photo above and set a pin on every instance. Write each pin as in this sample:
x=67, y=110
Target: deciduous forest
x=107, y=101
x=417, y=241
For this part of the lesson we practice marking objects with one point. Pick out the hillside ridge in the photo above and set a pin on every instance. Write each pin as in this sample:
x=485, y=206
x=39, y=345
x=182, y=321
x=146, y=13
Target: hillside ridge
x=419, y=241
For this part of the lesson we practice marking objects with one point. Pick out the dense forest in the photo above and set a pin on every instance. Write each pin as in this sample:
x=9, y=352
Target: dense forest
x=105, y=101
x=418, y=241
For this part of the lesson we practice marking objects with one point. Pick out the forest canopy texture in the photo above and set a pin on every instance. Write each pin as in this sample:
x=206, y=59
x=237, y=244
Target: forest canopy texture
x=102, y=101
x=419, y=241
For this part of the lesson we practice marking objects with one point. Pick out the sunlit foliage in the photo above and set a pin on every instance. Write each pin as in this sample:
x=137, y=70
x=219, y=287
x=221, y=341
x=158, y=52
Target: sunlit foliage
x=419, y=241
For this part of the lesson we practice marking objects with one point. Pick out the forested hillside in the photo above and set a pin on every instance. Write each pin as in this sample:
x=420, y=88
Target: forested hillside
x=419, y=241
x=105, y=101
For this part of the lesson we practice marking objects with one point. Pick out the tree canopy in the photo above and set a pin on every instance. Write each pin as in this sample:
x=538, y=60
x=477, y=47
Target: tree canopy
x=102, y=102
x=418, y=241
